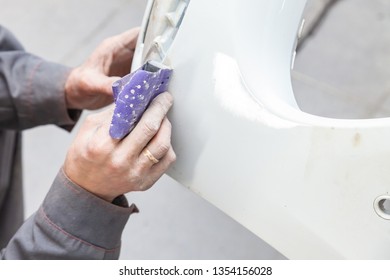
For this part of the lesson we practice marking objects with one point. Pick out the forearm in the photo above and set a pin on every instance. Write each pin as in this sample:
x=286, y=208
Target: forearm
x=31, y=89
x=70, y=224
x=31, y=92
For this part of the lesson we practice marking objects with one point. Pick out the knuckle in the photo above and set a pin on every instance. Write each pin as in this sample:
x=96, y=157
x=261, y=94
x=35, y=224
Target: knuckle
x=150, y=127
x=96, y=150
x=159, y=102
x=115, y=165
x=91, y=151
x=163, y=148
x=167, y=98
x=169, y=158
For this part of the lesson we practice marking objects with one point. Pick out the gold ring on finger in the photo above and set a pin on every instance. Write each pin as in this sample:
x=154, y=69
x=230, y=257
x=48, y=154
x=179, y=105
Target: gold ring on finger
x=150, y=156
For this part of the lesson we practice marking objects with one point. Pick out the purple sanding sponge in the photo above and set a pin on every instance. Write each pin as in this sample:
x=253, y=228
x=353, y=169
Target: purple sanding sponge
x=133, y=94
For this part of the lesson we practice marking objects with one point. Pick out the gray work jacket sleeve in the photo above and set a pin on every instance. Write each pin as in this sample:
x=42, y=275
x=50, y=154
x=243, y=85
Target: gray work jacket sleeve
x=31, y=89
x=71, y=224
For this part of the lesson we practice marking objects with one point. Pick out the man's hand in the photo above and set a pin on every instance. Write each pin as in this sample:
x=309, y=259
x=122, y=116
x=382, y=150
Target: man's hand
x=89, y=85
x=107, y=167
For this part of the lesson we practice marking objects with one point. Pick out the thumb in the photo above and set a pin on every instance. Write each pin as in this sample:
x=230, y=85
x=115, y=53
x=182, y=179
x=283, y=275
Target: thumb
x=104, y=84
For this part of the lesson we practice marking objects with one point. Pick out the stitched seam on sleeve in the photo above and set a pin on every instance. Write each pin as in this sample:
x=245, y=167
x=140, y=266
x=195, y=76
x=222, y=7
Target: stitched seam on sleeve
x=46, y=218
x=66, y=181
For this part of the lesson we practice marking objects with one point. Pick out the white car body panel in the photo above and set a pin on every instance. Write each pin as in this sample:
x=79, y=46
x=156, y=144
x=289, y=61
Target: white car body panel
x=311, y=187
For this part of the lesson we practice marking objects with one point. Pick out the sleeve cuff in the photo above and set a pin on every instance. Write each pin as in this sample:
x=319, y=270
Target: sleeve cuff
x=44, y=101
x=86, y=216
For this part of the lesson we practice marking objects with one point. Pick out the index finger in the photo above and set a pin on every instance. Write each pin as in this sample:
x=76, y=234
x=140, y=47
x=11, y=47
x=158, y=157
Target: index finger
x=149, y=123
x=117, y=48
x=128, y=39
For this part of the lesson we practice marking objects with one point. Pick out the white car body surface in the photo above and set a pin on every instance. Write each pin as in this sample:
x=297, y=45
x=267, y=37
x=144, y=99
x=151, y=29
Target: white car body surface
x=311, y=187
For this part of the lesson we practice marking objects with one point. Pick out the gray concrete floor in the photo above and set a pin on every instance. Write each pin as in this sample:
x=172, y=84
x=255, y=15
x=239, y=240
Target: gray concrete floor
x=341, y=71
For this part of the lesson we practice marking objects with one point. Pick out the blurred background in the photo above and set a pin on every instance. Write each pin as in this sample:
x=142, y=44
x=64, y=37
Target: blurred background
x=341, y=71
x=343, y=61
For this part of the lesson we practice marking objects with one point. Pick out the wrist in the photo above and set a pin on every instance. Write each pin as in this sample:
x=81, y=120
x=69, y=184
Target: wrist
x=71, y=90
x=81, y=180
